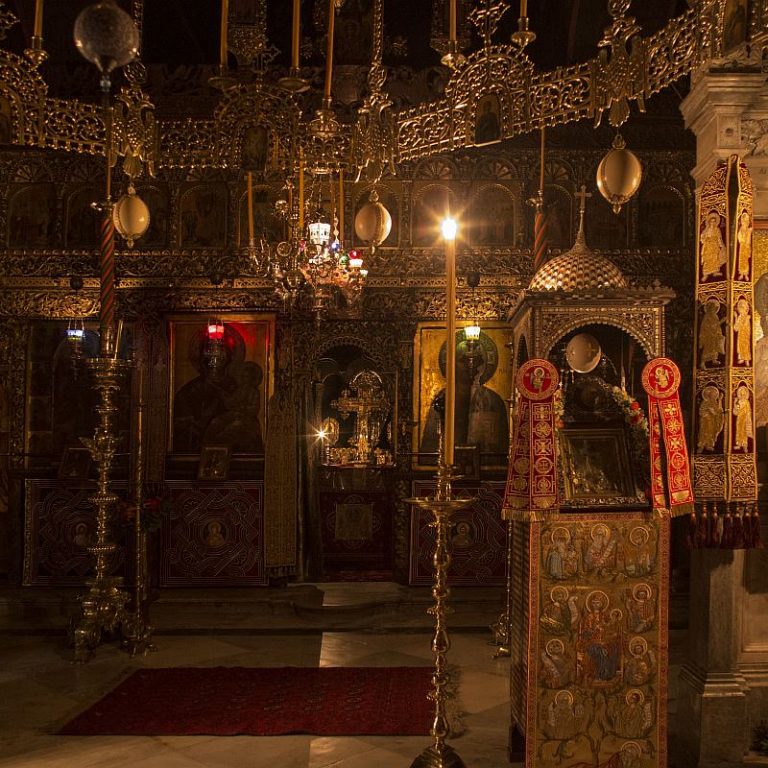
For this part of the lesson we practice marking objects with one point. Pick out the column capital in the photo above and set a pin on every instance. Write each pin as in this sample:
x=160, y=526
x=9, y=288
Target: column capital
x=728, y=112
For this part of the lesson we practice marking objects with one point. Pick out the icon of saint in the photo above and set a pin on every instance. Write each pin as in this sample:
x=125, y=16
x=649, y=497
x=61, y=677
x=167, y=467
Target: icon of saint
x=487, y=127
x=214, y=537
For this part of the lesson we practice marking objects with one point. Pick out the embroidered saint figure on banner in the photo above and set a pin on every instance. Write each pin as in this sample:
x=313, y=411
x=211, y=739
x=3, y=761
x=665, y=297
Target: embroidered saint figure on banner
x=712, y=247
x=711, y=418
x=742, y=325
x=742, y=409
x=711, y=336
x=744, y=241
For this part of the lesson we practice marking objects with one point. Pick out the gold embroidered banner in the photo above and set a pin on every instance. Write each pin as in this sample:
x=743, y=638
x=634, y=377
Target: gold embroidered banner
x=724, y=458
x=596, y=683
x=532, y=490
x=661, y=381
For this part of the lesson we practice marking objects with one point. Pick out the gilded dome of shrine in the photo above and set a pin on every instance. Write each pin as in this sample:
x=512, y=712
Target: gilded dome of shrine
x=579, y=269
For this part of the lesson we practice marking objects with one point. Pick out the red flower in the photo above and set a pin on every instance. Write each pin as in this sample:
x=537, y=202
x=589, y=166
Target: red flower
x=635, y=406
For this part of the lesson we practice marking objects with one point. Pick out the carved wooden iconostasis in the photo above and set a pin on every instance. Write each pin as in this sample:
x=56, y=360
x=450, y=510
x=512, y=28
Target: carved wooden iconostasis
x=192, y=264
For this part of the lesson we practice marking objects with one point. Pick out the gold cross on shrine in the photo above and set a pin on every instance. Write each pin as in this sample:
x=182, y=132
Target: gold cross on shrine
x=582, y=194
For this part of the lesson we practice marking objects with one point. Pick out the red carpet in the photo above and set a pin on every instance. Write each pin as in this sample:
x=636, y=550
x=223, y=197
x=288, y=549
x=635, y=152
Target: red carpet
x=226, y=701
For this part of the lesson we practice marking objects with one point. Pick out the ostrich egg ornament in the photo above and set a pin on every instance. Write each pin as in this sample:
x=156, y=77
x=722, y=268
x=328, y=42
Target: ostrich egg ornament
x=619, y=174
x=106, y=35
x=373, y=222
x=130, y=215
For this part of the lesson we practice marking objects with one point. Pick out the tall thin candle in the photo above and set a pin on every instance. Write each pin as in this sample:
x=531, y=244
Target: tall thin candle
x=224, y=27
x=295, y=32
x=541, y=169
x=37, y=30
x=449, y=235
x=329, y=50
x=523, y=8
x=341, y=204
x=452, y=21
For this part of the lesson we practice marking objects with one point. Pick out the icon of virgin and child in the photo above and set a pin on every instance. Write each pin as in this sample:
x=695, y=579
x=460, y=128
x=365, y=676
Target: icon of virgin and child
x=221, y=406
x=481, y=414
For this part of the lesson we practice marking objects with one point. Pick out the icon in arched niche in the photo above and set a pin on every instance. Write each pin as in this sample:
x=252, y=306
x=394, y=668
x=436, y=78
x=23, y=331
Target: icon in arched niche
x=488, y=120
x=492, y=216
x=254, y=149
x=266, y=225
x=32, y=216
x=82, y=230
x=662, y=218
x=156, y=235
x=481, y=413
x=432, y=204
x=203, y=217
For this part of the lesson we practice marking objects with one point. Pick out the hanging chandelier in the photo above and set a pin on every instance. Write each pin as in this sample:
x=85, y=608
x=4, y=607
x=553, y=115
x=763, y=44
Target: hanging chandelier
x=314, y=261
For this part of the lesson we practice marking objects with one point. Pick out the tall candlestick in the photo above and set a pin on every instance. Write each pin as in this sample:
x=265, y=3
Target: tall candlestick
x=250, y=209
x=449, y=235
x=295, y=32
x=301, y=193
x=329, y=50
x=541, y=155
x=523, y=8
x=38, y=26
x=341, y=204
x=224, y=26
x=452, y=21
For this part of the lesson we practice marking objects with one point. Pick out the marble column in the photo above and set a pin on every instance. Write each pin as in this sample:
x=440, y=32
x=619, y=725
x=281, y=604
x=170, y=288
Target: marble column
x=722, y=683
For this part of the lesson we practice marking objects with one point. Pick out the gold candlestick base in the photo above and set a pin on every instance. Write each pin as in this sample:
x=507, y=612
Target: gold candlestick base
x=443, y=506
x=103, y=610
x=523, y=36
x=445, y=757
x=35, y=53
x=138, y=636
x=294, y=82
x=454, y=57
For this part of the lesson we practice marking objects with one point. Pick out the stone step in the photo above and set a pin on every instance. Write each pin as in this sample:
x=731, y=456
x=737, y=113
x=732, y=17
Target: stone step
x=298, y=607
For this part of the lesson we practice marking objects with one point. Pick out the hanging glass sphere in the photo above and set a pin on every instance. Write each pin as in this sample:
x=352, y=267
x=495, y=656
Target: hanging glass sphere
x=106, y=35
x=130, y=215
x=619, y=174
x=373, y=222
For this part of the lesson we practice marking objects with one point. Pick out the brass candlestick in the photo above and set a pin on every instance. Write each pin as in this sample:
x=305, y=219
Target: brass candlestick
x=443, y=506
x=103, y=607
x=500, y=629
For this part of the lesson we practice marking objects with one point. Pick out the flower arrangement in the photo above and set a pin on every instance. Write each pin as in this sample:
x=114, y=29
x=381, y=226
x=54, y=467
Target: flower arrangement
x=630, y=408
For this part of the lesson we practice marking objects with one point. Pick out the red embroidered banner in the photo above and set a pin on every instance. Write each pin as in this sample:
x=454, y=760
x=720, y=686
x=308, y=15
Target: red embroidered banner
x=532, y=492
x=661, y=381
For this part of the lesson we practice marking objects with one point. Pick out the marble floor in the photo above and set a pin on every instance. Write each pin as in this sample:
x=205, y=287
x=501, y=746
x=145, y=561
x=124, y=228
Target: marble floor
x=40, y=690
